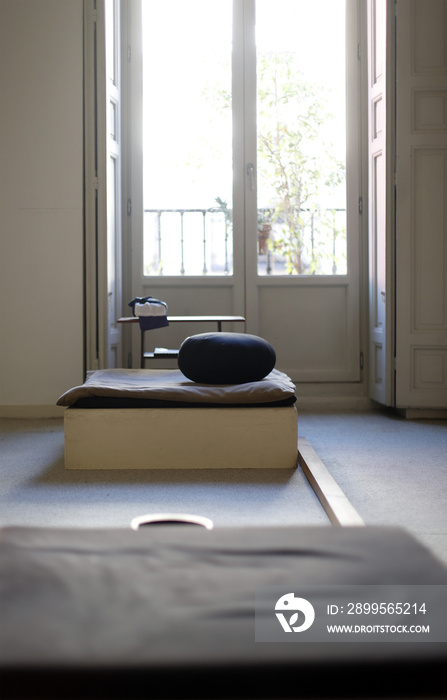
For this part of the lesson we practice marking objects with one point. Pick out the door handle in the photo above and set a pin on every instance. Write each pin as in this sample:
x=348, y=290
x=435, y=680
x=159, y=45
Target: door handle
x=251, y=176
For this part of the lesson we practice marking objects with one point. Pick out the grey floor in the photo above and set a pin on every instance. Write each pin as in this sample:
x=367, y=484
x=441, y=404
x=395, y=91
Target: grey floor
x=35, y=488
x=394, y=472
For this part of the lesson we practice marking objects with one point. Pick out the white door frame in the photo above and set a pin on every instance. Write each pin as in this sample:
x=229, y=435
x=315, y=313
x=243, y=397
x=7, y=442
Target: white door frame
x=240, y=294
x=92, y=350
x=102, y=226
x=381, y=119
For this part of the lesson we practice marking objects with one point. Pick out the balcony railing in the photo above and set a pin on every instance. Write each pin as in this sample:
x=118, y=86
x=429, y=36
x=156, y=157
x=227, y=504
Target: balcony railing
x=188, y=241
x=191, y=242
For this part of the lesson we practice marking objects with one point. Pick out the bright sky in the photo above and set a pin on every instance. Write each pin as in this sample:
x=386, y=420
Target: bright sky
x=186, y=45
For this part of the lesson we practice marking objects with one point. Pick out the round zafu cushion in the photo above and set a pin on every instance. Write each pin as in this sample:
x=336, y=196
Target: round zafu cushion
x=225, y=358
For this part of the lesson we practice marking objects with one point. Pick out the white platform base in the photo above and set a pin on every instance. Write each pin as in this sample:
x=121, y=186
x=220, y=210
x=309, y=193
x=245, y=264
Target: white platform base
x=181, y=438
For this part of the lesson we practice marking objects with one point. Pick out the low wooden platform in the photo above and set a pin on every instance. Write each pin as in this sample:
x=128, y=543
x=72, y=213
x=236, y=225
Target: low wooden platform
x=181, y=438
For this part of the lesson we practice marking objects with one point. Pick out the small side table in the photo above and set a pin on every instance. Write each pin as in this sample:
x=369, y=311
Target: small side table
x=163, y=354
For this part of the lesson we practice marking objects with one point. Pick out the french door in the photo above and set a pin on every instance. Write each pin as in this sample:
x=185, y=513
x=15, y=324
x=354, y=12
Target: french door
x=381, y=196
x=247, y=200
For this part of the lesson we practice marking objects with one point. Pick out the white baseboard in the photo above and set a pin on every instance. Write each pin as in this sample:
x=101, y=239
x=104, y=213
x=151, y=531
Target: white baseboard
x=333, y=404
x=31, y=411
x=423, y=413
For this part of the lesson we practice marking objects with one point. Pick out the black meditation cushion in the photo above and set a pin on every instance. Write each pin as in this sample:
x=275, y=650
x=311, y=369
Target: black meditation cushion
x=225, y=358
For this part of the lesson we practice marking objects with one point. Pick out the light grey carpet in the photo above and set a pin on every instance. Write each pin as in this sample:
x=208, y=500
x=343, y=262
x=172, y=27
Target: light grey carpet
x=35, y=488
x=394, y=472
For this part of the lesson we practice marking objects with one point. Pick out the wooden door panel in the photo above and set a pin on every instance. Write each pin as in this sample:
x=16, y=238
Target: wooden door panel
x=421, y=217
x=380, y=267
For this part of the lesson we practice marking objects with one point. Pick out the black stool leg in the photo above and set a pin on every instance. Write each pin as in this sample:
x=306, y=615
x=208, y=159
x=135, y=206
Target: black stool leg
x=142, y=349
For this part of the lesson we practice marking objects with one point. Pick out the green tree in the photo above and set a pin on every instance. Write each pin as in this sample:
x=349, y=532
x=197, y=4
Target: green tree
x=294, y=162
x=297, y=168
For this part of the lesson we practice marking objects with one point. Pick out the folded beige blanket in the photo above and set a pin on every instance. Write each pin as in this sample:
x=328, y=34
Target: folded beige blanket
x=172, y=385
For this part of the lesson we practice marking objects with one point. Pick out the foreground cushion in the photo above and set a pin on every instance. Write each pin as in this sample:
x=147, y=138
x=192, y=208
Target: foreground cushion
x=171, y=612
x=226, y=358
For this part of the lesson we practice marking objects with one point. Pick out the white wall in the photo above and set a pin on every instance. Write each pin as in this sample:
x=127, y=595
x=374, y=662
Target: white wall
x=41, y=203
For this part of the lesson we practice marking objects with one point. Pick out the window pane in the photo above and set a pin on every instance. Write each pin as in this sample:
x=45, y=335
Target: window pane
x=301, y=124
x=187, y=137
